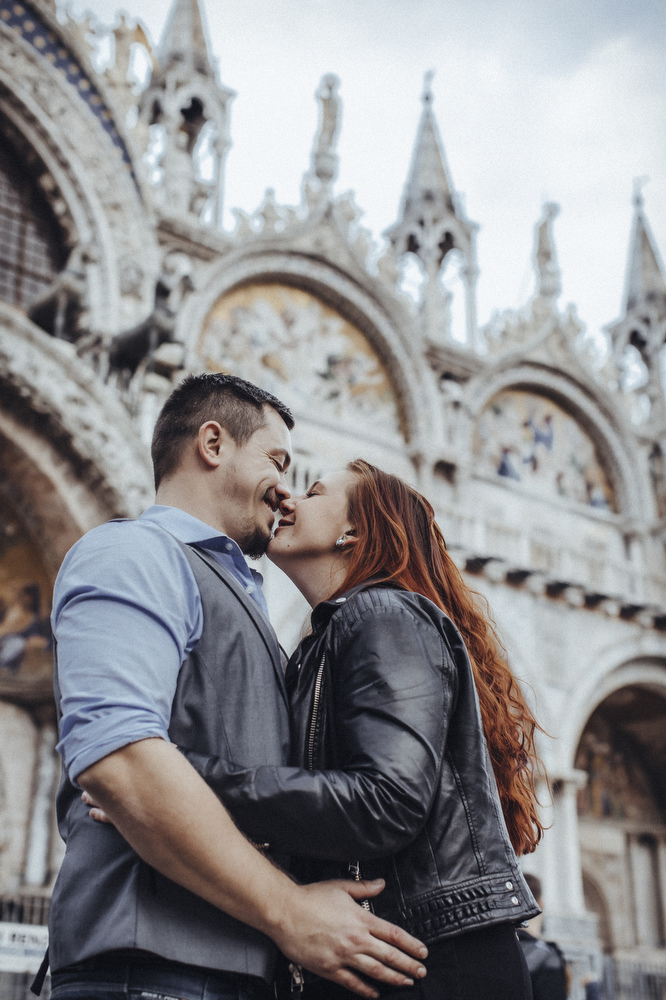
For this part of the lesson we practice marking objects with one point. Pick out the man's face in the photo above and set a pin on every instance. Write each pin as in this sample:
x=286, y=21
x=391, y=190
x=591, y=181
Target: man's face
x=252, y=484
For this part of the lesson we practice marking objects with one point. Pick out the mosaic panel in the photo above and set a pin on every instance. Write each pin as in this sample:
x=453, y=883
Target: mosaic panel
x=26, y=658
x=304, y=352
x=532, y=441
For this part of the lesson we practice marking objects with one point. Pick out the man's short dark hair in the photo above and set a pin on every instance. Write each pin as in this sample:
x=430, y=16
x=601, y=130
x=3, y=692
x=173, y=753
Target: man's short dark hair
x=235, y=404
x=534, y=885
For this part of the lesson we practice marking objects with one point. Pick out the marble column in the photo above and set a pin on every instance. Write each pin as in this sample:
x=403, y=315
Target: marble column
x=36, y=870
x=558, y=864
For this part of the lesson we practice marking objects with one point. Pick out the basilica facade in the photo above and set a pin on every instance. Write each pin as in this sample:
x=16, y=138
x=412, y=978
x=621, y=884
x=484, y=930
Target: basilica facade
x=544, y=457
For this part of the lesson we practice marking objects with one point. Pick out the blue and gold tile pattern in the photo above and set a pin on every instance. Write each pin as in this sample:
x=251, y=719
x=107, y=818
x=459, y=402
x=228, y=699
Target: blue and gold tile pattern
x=26, y=22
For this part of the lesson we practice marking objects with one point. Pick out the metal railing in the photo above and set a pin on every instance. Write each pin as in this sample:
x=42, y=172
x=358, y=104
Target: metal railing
x=23, y=908
x=624, y=980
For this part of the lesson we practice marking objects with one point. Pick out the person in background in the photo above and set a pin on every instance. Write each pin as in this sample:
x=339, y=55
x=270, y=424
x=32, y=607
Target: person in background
x=545, y=961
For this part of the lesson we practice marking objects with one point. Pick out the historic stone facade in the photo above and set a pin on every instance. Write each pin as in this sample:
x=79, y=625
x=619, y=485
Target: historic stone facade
x=544, y=460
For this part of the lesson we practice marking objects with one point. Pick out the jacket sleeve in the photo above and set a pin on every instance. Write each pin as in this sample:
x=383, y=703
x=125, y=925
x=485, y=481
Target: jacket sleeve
x=393, y=690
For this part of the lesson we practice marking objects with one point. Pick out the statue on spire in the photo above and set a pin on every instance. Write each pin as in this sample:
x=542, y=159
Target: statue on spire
x=549, y=277
x=324, y=157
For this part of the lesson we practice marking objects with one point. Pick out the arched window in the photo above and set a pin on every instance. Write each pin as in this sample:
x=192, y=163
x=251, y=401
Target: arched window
x=32, y=250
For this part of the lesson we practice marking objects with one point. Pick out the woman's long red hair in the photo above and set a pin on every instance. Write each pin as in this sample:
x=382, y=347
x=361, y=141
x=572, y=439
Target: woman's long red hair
x=399, y=540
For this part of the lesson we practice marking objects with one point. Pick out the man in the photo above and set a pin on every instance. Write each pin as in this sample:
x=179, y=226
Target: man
x=545, y=961
x=162, y=640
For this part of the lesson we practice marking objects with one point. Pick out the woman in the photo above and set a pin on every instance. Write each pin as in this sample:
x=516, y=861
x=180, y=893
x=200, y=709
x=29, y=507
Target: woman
x=392, y=775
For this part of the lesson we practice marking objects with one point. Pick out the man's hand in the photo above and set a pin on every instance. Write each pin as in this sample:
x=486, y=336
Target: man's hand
x=328, y=933
x=175, y=823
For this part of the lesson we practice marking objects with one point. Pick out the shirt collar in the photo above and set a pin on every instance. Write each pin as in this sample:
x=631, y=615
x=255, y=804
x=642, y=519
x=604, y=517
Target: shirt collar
x=190, y=529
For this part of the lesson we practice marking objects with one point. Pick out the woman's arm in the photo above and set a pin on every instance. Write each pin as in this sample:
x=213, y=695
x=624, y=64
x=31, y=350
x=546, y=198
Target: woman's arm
x=394, y=684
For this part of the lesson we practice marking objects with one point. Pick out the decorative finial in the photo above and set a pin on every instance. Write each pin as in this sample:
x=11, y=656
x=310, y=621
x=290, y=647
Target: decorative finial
x=639, y=184
x=427, y=96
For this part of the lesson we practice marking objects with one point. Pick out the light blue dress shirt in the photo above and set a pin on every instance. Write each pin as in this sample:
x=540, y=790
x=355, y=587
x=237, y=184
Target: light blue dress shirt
x=126, y=613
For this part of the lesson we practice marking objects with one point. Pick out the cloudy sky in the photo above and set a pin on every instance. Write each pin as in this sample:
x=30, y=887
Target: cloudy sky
x=562, y=100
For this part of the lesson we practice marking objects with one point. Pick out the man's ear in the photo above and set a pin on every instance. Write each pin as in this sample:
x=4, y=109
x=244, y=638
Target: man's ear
x=213, y=441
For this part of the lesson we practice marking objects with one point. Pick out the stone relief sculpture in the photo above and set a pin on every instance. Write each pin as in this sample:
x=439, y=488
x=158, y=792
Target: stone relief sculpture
x=530, y=440
x=289, y=342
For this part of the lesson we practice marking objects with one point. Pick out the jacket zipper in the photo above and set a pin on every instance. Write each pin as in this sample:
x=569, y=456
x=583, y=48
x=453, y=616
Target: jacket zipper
x=315, y=714
x=297, y=978
x=355, y=869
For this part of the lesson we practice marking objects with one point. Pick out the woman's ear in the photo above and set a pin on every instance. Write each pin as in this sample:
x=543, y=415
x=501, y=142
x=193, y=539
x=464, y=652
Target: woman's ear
x=351, y=538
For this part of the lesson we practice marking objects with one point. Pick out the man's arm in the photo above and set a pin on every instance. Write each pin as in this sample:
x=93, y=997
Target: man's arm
x=175, y=823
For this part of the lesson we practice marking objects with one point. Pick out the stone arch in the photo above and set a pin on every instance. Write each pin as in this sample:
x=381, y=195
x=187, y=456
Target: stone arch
x=641, y=662
x=81, y=170
x=68, y=435
x=604, y=427
x=422, y=412
x=622, y=805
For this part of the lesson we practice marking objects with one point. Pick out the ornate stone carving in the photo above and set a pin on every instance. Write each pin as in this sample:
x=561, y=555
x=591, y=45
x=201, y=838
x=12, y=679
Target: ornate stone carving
x=324, y=157
x=53, y=380
x=50, y=114
x=549, y=279
x=307, y=354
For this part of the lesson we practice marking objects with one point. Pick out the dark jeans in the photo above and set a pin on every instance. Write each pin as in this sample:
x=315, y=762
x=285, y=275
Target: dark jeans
x=119, y=976
x=487, y=964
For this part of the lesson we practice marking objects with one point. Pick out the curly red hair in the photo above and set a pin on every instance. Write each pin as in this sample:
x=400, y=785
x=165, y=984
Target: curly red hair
x=399, y=540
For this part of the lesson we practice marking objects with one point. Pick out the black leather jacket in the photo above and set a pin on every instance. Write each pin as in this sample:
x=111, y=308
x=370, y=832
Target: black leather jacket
x=391, y=774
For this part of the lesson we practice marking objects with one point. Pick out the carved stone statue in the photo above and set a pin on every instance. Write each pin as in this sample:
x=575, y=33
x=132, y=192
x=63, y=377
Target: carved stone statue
x=324, y=157
x=549, y=281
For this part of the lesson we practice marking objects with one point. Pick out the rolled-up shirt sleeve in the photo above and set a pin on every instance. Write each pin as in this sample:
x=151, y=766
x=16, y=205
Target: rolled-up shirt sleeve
x=126, y=612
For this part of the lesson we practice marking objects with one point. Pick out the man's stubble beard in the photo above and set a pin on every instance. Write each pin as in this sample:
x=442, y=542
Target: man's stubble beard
x=254, y=541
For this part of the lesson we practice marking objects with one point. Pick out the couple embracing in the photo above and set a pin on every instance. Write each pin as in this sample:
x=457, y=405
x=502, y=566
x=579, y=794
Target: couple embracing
x=238, y=826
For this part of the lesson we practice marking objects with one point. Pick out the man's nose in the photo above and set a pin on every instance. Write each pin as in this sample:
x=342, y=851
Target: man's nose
x=282, y=490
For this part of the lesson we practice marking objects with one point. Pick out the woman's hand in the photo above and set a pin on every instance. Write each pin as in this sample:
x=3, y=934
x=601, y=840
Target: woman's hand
x=95, y=812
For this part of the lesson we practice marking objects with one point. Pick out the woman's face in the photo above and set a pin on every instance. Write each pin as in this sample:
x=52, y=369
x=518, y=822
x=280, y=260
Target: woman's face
x=311, y=524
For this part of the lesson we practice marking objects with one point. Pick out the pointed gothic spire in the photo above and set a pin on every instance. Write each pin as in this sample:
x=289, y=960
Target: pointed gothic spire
x=643, y=324
x=431, y=223
x=185, y=39
x=428, y=181
x=645, y=280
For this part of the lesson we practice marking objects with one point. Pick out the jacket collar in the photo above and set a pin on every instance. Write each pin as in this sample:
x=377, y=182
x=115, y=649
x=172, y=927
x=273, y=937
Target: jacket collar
x=324, y=611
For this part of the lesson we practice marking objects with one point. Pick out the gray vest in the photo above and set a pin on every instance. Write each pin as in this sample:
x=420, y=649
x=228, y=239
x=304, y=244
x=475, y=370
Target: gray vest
x=230, y=701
